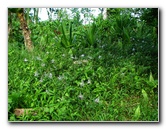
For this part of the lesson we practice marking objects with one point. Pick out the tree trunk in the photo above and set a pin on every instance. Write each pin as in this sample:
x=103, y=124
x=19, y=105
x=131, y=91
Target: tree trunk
x=9, y=23
x=25, y=30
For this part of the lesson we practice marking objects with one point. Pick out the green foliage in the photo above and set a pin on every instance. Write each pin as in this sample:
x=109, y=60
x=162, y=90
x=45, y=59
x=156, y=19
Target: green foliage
x=16, y=10
x=137, y=113
x=104, y=71
x=67, y=37
x=150, y=15
x=15, y=35
x=145, y=96
x=90, y=36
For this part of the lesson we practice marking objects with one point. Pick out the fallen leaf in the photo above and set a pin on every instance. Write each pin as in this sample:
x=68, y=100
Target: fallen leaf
x=19, y=112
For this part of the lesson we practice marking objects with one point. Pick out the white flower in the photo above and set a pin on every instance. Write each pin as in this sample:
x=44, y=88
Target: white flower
x=63, y=55
x=50, y=75
x=41, y=80
x=80, y=96
x=73, y=57
x=47, y=52
x=133, y=49
x=38, y=58
x=36, y=74
x=82, y=55
x=25, y=60
x=89, y=81
x=60, y=77
x=52, y=61
x=99, y=57
x=82, y=83
x=97, y=100
x=42, y=65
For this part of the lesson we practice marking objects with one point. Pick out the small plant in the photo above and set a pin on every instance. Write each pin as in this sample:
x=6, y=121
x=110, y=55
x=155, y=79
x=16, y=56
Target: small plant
x=90, y=35
x=137, y=113
x=90, y=72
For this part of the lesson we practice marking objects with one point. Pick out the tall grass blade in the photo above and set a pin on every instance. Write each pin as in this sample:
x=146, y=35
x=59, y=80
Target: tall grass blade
x=65, y=41
x=126, y=35
x=70, y=32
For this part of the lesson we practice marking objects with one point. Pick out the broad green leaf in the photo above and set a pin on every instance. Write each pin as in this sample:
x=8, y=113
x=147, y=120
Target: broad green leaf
x=46, y=109
x=151, y=79
x=145, y=95
x=137, y=113
x=51, y=109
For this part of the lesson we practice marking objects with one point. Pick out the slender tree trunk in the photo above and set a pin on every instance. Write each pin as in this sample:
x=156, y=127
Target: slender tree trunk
x=9, y=23
x=25, y=30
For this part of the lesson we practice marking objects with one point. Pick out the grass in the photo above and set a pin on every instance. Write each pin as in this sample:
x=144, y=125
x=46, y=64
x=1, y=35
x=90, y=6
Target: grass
x=88, y=84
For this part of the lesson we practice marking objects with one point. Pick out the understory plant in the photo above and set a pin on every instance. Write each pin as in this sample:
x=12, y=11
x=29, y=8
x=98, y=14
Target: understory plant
x=103, y=71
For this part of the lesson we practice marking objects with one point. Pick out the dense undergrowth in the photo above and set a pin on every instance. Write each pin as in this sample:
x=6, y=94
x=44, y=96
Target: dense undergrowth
x=110, y=81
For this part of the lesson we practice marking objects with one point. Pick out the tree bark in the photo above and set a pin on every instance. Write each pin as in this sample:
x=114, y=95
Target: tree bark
x=9, y=23
x=26, y=32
